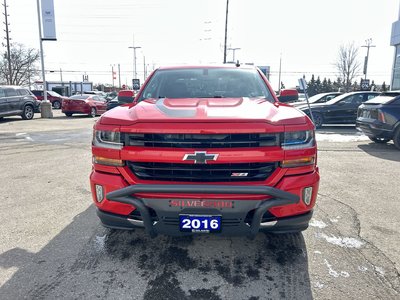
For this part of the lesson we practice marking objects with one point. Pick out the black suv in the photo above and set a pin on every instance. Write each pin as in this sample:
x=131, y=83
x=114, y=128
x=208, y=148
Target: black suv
x=17, y=101
x=340, y=110
x=379, y=118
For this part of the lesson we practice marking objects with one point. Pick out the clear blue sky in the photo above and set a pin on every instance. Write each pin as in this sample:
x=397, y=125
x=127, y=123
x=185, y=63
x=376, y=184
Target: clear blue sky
x=92, y=35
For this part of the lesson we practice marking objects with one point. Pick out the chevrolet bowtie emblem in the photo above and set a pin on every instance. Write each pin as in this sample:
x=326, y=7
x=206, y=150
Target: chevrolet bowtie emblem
x=200, y=157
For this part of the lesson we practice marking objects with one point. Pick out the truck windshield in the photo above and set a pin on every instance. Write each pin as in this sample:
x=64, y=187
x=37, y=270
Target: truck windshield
x=206, y=83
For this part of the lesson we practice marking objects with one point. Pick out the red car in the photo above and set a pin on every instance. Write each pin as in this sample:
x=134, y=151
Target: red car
x=91, y=105
x=205, y=149
x=55, y=98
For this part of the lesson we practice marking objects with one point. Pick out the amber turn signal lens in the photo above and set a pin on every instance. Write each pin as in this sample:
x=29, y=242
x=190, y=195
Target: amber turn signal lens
x=291, y=163
x=108, y=161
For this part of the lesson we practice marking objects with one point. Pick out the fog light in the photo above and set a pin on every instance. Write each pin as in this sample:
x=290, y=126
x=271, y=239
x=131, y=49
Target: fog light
x=99, y=193
x=307, y=195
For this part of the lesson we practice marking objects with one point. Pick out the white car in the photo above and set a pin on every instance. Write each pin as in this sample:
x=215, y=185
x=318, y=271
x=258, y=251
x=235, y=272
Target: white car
x=319, y=98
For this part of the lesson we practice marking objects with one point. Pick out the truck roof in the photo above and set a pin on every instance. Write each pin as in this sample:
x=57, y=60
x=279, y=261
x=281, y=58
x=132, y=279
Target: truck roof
x=227, y=66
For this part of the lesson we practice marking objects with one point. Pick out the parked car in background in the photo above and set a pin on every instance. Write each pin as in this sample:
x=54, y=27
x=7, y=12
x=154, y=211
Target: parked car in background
x=18, y=101
x=91, y=105
x=339, y=110
x=55, y=98
x=379, y=118
x=124, y=97
x=319, y=98
x=111, y=95
x=287, y=95
x=98, y=93
x=302, y=97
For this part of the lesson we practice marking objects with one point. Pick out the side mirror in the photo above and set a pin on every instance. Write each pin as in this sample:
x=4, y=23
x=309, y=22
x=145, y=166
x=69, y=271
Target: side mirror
x=288, y=95
x=341, y=103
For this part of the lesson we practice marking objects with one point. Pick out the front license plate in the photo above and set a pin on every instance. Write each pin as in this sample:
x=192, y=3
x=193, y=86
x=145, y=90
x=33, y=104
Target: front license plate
x=199, y=223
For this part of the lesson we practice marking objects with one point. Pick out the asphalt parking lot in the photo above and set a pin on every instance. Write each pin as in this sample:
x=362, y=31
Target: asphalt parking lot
x=52, y=245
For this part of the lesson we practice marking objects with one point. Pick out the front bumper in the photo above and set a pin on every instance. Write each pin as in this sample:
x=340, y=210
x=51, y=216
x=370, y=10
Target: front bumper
x=234, y=222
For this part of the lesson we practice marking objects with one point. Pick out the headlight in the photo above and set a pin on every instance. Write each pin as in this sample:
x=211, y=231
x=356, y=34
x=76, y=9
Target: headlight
x=298, y=139
x=107, y=139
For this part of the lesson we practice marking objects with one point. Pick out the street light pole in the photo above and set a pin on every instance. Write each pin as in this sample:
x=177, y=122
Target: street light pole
x=280, y=69
x=144, y=68
x=226, y=29
x=45, y=105
x=112, y=72
x=119, y=75
x=10, y=81
x=134, y=60
x=368, y=45
x=134, y=57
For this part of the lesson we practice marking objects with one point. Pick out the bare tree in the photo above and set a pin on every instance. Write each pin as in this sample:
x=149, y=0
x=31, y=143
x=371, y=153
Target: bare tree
x=347, y=64
x=23, y=65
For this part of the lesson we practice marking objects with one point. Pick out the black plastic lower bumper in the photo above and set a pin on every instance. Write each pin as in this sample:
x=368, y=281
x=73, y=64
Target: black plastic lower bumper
x=374, y=129
x=164, y=225
x=283, y=225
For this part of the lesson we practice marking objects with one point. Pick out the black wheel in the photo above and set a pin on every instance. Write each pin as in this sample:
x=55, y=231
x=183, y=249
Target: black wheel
x=28, y=112
x=379, y=140
x=396, y=138
x=68, y=114
x=93, y=112
x=318, y=120
x=57, y=104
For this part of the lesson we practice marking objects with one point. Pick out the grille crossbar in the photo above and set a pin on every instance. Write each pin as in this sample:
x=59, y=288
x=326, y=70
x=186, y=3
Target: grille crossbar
x=202, y=141
x=202, y=173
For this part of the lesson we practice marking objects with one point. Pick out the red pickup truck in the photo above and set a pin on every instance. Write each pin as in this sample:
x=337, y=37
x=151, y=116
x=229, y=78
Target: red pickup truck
x=205, y=149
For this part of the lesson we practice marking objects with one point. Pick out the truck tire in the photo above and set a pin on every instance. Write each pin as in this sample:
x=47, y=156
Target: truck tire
x=28, y=112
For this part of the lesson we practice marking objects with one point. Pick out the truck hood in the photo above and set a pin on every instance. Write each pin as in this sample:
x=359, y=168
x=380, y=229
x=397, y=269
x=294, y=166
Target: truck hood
x=204, y=110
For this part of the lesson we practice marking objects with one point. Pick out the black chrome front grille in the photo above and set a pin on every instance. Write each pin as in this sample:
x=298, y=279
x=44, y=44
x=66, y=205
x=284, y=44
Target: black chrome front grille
x=202, y=141
x=202, y=173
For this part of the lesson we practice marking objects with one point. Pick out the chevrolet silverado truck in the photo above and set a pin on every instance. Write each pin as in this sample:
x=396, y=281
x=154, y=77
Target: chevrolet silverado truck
x=205, y=149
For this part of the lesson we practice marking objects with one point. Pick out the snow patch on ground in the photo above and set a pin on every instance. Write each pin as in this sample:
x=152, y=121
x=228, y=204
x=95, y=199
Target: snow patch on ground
x=344, y=242
x=319, y=285
x=334, y=273
x=362, y=268
x=316, y=223
x=380, y=270
x=99, y=243
x=340, y=137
